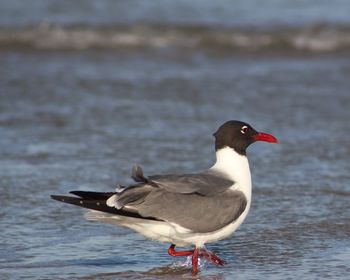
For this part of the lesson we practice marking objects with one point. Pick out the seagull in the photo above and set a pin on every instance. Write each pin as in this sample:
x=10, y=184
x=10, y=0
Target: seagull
x=190, y=209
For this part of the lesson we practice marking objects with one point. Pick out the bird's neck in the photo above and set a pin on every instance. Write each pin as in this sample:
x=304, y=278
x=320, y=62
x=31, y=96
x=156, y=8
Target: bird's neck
x=235, y=166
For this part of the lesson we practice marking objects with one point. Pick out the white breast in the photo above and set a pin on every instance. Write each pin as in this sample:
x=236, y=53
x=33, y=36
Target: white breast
x=236, y=168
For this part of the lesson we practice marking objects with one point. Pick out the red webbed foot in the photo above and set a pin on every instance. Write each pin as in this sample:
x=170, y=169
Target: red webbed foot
x=211, y=257
x=196, y=253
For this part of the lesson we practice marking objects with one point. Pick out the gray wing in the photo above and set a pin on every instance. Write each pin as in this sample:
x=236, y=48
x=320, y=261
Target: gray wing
x=206, y=183
x=199, y=202
x=192, y=211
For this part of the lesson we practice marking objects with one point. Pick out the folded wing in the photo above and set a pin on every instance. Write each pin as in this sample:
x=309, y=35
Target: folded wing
x=200, y=202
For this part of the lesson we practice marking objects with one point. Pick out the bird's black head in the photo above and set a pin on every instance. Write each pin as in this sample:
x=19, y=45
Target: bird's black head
x=239, y=135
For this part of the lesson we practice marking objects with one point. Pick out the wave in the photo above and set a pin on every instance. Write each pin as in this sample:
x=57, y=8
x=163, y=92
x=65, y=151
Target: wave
x=316, y=38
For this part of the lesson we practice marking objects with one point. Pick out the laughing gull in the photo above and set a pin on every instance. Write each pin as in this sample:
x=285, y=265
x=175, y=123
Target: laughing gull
x=184, y=209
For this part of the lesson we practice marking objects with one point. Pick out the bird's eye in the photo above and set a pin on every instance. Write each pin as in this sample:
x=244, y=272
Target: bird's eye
x=244, y=129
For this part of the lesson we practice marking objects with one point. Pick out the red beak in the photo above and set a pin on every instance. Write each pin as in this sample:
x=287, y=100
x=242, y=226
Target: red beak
x=261, y=136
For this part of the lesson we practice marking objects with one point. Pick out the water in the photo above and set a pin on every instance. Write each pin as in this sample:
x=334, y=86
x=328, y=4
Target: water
x=244, y=25
x=79, y=116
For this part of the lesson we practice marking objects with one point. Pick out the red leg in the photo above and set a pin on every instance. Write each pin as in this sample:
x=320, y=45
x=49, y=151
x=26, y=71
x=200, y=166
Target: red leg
x=195, y=261
x=173, y=253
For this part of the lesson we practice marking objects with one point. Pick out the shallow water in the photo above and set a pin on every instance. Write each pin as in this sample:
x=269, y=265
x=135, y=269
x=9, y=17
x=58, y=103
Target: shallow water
x=74, y=120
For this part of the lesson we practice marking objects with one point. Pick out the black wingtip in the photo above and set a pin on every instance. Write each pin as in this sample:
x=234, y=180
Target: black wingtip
x=69, y=199
x=92, y=195
x=77, y=193
x=58, y=197
x=96, y=204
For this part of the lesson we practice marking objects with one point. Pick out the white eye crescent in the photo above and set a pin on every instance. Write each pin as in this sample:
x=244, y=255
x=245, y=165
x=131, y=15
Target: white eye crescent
x=244, y=129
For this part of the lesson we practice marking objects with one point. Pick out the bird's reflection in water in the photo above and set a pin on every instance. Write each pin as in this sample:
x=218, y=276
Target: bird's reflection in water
x=178, y=270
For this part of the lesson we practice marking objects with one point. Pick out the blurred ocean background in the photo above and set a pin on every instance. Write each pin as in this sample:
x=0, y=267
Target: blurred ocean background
x=89, y=88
